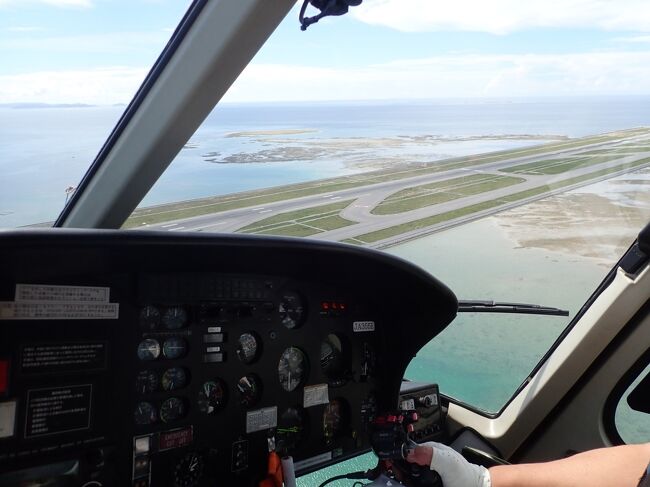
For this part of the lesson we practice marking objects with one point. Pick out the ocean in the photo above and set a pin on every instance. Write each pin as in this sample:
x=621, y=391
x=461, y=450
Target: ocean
x=43, y=151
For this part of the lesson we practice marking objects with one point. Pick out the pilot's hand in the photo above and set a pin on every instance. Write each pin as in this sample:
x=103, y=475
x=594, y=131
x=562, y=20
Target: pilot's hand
x=453, y=469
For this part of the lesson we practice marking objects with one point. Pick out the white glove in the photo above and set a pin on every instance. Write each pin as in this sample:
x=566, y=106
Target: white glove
x=454, y=470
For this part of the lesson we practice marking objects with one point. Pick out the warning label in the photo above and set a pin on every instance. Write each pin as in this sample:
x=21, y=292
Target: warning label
x=58, y=410
x=53, y=302
x=261, y=419
x=40, y=293
x=63, y=357
x=58, y=311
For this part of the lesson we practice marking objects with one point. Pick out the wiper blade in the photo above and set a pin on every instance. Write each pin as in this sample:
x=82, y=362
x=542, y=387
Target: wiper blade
x=469, y=306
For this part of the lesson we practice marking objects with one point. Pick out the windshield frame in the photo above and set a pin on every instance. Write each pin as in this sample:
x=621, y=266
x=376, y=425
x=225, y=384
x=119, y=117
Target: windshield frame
x=181, y=30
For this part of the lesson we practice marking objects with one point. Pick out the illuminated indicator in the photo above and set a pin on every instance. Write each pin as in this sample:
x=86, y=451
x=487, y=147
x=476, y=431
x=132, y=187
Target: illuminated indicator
x=333, y=307
x=4, y=376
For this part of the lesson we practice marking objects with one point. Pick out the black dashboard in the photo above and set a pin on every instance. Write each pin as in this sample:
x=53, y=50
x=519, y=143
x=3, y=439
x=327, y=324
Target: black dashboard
x=137, y=358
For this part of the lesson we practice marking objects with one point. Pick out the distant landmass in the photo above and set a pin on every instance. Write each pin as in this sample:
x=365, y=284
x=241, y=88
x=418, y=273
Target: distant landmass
x=44, y=105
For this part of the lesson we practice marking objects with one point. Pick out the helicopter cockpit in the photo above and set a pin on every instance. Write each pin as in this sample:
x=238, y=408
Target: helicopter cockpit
x=152, y=358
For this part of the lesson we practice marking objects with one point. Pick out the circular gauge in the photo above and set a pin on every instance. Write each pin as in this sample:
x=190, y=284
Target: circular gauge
x=247, y=348
x=250, y=390
x=212, y=396
x=334, y=359
x=145, y=414
x=149, y=317
x=174, y=378
x=148, y=349
x=174, y=318
x=172, y=409
x=292, y=310
x=174, y=347
x=189, y=470
x=290, y=430
x=292, y=368
x=335, y=419
x=146, y=382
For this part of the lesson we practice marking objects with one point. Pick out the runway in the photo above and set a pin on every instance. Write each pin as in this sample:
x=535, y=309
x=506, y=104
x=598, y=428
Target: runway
x=367, y=197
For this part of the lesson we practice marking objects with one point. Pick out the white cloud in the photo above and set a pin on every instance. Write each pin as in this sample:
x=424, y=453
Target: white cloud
x=53, y=3
x=633, y=39
x=461, y=75
x=112, y=42
x=504, y=16
x=96, y=86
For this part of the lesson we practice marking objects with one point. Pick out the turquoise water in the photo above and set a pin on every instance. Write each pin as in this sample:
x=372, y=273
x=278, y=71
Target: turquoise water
x=482, y=358
x=45, y=150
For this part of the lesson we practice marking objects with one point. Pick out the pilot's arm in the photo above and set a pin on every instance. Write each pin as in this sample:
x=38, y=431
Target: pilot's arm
x=620, y=466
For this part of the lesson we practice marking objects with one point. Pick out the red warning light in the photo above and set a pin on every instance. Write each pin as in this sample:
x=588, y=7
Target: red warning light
x=4, y=377
x=325, y=305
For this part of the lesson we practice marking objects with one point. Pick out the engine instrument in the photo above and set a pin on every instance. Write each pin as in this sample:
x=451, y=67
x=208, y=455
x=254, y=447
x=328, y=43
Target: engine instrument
x=180, y=358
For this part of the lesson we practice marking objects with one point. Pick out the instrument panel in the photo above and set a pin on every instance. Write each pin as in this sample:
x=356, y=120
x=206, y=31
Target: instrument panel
x=143, y=359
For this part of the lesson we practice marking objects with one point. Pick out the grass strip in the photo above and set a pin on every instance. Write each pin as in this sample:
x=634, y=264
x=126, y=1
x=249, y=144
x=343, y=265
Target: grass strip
x=216, y=204
x=621, y=150
x=557, y=166
x=291, y=231
x=395, y=230
x=436, y=193
x=305, y=215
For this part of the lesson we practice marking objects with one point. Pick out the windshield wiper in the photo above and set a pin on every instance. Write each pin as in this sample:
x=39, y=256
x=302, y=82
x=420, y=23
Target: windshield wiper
x=469, y=306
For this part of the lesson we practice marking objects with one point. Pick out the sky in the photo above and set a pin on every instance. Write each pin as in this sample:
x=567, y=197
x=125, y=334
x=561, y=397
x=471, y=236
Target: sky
x=99, y=51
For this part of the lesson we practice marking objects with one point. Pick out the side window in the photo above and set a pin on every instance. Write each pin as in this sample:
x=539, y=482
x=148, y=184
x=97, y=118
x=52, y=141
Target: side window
x=632, y=425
